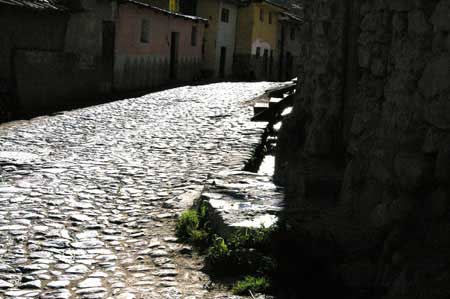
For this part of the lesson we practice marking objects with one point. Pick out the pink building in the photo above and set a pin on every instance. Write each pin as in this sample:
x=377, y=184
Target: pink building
x=154, y=46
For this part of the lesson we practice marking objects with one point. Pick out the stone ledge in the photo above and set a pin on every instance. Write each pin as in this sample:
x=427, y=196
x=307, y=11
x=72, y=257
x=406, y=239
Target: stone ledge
x=240, y=200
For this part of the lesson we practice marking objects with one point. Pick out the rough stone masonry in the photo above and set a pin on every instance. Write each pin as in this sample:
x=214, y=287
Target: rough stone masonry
x=367, y=147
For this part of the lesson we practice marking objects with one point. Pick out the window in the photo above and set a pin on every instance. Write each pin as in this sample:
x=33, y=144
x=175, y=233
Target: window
x=270, y=18
x=292, y=33
x=174, y=5
x=258, y=52
x=144, y=31
x=261, y=15
x=225, y=16
x=194, y=36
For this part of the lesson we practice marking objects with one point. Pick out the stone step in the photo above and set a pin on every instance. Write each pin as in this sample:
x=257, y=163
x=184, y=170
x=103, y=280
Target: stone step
x=260, y=107
x=240, y=200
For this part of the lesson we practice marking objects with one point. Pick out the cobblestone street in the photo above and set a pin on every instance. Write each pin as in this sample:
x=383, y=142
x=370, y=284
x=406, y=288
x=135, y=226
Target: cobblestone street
x=87, y=197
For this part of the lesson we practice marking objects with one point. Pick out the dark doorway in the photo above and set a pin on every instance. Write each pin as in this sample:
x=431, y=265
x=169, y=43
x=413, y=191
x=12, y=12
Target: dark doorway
x=223, y=60
x=289, y=64
x=174, y=44
x=108, y=54
x=265, y=63
x=271, y=65
x=281, y=58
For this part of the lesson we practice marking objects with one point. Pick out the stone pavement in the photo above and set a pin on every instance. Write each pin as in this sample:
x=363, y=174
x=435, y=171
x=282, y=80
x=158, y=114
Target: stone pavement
x=83, y=194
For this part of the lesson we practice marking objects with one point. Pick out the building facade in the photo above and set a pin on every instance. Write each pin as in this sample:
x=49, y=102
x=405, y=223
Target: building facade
x=154, y=46
x=257, y=41
x=220, y=36
x=290, y=46
x=54, y=55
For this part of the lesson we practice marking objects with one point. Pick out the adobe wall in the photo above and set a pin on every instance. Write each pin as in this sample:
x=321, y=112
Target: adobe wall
x=140, y=66
x=365, y=155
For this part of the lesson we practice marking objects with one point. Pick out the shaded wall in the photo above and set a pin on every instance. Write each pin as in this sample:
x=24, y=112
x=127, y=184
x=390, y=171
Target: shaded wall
x=365, y=155
x=139, y=65
x=210, y=11
x=39, y=31
x=289, y=59
x=55, y=60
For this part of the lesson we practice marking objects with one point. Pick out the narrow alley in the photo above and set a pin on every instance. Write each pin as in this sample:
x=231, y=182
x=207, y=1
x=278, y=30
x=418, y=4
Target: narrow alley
x=86, y=196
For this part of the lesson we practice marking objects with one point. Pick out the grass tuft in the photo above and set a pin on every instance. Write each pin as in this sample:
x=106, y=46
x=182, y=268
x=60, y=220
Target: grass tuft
x=251, y=285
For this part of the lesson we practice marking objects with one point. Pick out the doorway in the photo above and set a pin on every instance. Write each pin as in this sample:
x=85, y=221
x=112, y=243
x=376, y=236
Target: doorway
x=108, y=35
x=174, y=45
x=289, y=64
x=223, y=59
x=265, y=63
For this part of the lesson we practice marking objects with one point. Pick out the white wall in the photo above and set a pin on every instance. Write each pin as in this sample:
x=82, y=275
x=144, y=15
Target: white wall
x=226, y=37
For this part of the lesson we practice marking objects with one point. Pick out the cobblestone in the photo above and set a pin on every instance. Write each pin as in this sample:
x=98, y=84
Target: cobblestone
x=88, y=197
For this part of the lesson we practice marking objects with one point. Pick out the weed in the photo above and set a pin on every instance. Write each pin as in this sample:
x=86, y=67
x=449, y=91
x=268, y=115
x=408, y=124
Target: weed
x=251, y=285
x=244, y=253
x=187, y=223
x=192, y=226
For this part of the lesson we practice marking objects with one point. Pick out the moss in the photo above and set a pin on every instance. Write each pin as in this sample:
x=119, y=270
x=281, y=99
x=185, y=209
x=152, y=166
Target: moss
x=251, y=285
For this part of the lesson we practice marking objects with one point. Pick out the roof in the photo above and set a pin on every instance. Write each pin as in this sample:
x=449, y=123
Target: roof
x=164, y=11
x=270, y=2
x=43, y=5
x=285, y=16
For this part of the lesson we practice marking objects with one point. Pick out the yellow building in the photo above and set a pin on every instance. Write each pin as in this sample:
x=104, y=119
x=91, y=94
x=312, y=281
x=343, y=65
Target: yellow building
x=257, y=40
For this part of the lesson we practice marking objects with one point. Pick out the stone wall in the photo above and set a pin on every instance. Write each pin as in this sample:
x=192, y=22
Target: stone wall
x=365, y=155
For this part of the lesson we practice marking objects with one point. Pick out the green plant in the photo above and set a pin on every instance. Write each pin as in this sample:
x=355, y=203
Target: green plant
x=187, y=223
x=244, y=252
x=192, y=226
x=250, y=285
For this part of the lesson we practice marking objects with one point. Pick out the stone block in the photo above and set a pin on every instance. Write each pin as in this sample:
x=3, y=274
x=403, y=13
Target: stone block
x=439, y=203
x=372, y=22
x=239, y=201
x=442, y=167
x=401, y=5
x=417, y=23
x=399, y=24
x=412, y=170
x=381, y=218
x=441, y=16
x=438, y=113
x=358, y=274
x=364, y=57
x=378, y=67
x=435, y=78
x=401, y=208
x=434, y=140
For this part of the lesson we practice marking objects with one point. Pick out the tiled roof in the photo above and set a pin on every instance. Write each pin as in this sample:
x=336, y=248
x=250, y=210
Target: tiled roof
x=37, y=4
x=166, y=12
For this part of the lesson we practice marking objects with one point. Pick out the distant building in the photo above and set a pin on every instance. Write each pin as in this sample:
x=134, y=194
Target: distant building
x=54, y=53
x=289, y=44
x=220, y=36
x=257, y=41
x=154, y=46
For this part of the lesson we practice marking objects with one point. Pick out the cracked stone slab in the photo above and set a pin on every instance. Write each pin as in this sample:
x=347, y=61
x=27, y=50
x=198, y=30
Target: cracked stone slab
x=240, y=200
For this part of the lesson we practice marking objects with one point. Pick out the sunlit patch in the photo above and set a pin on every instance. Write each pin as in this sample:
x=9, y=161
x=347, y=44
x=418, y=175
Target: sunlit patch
x=277, y=126
x=286, y=111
